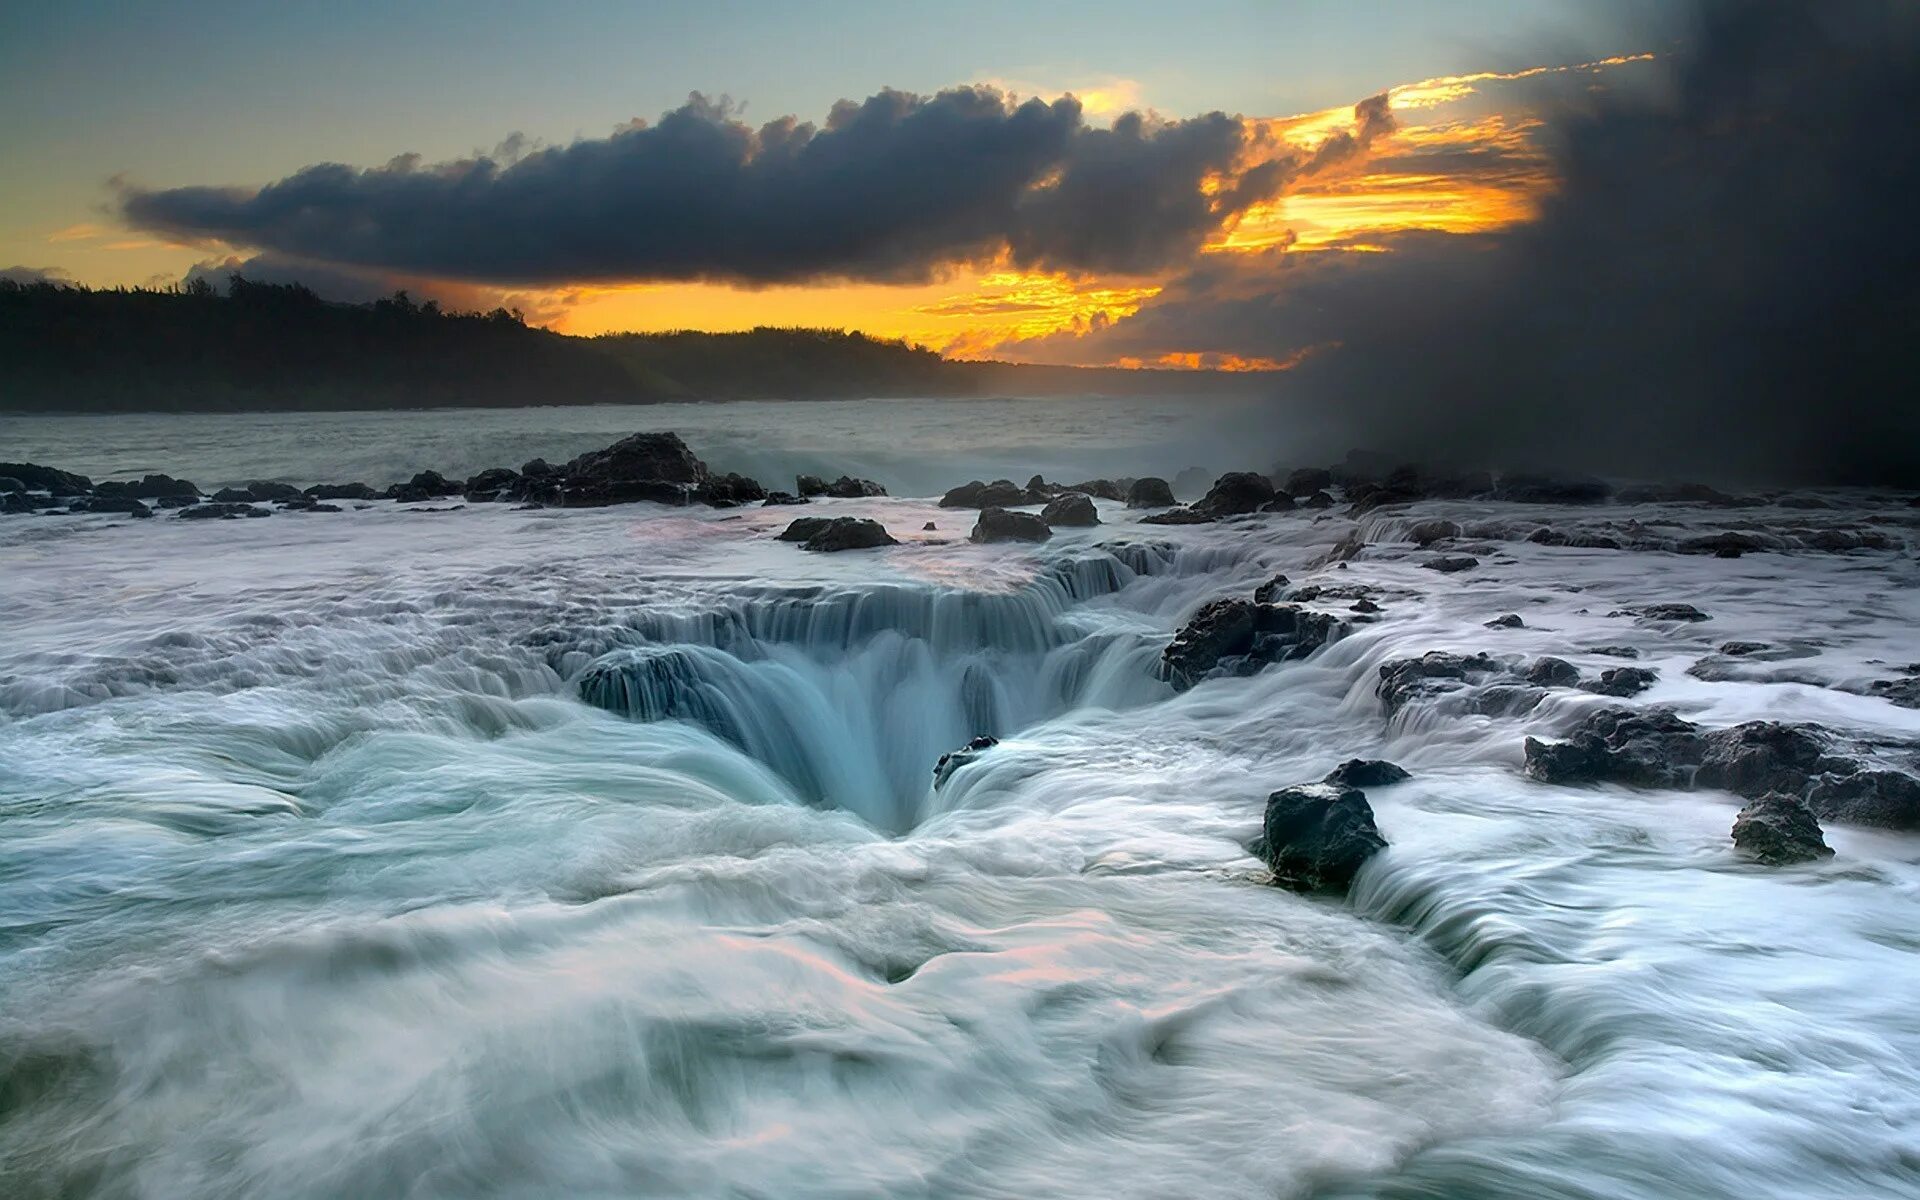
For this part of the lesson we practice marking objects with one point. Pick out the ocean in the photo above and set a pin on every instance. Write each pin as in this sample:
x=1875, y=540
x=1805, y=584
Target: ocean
x=596, y=853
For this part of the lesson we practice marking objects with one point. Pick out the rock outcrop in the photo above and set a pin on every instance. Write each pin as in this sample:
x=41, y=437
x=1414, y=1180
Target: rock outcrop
x=1231, y=636
x=1005, y=525
x=1778, y=829
x=1316, y=836
x=829, y=534
x=1150, y=491
x=1070, y=509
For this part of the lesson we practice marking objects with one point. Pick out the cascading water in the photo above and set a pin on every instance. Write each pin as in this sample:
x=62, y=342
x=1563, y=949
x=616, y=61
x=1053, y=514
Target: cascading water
x=595, y=853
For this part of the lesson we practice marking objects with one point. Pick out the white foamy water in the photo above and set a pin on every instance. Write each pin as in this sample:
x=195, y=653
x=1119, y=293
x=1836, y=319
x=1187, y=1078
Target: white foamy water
x=595, y=853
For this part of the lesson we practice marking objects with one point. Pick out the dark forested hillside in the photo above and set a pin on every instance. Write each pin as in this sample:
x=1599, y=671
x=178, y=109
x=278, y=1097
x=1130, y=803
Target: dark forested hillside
x=268, y=346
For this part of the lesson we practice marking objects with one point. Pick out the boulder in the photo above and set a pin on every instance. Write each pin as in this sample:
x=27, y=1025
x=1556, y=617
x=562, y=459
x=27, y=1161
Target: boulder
x=1403, y=680
x=809, y=485
x=426, y=485
x=774, y=498
x=1150, y=491
x=1365, y=773
x=1646, y=748
x=1425, y=533
x=1553, y=672
x=1763, y=756
x=1001, y=493
x=16, y=502
x=1622, y=681
x=1882, y=798
x=490, y=483
x=47, y=479
x=1663, y=612
x=1778, y=829
x=123, y=505
x=729, y=491
x=848, y=488
x=802, y=528
x=1306, y=481
x=1449, y=564
x=341, y=491
x=1070, y=508
x=844, y=533
x=1316, y=836
x=1364, y=605
x=1507, y=621
x=1099, y=489
x=1180, y=516
x=9, y=486
x=1231, y=636
x=227, y=512
x=1281, y=502
x=1271, y=590
x=655, y=456
x=150, y=487
x=1004, y=525
x=953, y=760
x=1235, y=493
x=538, y=468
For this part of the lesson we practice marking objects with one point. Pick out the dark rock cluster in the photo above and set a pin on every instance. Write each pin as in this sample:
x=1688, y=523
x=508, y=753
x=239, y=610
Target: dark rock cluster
x=1231, y=636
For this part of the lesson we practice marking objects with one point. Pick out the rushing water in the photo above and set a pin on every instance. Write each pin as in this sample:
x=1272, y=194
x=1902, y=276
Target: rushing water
x=595, y=853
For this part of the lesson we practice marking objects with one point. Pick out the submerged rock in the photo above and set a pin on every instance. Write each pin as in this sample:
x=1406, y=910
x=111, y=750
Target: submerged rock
x=341, y=491
x=1886, y=799
x=1425, y=533
x=1623, y=681
x=1509, y=621
x=1070, y=508
x=1005, y=525
x=602, y=493
x=1365, y=773
x=1316, y=836
x=1180, y=516
x=1448, y=564
x=1763, y=756
x=121, y=505
x=1778, y=829
x=1434, y=673
x=1664, y=612
x=1553, y=672
x=953, y=760
x=777, y=498
x=1271, y=590
x=211, y=512
x=1150, y=492
x=1645, y=748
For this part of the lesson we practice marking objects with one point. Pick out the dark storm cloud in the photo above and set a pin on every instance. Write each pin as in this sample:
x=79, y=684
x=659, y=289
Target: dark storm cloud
x=891, y=189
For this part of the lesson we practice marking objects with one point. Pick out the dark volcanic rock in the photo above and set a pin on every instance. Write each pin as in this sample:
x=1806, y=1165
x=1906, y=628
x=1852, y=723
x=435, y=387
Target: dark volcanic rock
x=774, y=498
x=1645, y=748
x=1307, y=480
x=1613, y=651
x=1508, y=621
x=1434, y=673
x=1004, y=525
x=848, y=488
x=1725, y=545
x=1001, y=493
x=1663, y=612
x=1070, y=508
x=1778, y=829
x=1553, y=672
x=341, y=491
x=953, y=760
x=1271, y=590
x=1742, y=649
x=488, y=484
x=1623, y=681
x=47, y=479
x=657, y=456
x=809, y=485
x=1365, y=773
x=1448, y=564
x=1099, y=489
x=210, y=512
x=1281, y=502
x=538, y=468
x=1238, y=637
x=845, y=533
x=1150, y=492
x=1317, y=500
x=1887, y=799
x=1762, y=756
x=729, y=490
x=1316, y=836
x=802, y=528
x=151, y=487
x=1903, y=692
x=10, y=486
x=1235, y=493
x=1425, y=533
x=123, y=505
x=426, y=485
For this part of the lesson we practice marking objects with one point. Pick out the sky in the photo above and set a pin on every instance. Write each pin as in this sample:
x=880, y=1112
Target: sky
x=607, y=167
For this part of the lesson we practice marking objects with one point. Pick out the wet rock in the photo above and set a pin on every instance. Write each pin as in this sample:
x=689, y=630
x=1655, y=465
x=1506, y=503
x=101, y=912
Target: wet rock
x=1364, y=605
x=1180, y=516
x=150, y=487
x=231, y=495
x=1317, y=500
x=37, y=478
x=1762, y=756
x=809, y=485
x=1281, y=502
x=1903, y=692
x=1307, y=480
x=1645, y=748
x=1623, y=681
x=1612, y=651
x=1425, y=533
x=1365, y=773
x=929, y=527
x=16, y=502
x=426, y=485
x=848, y=488
x=341, y=491
x=1099, y=489
x=121, y=505
x=1881, y=798
x=953, y=760
x=1070, y=508
x=729, y=491
x=649, y=456
x=492, y=484
x=1505, y=700
x=1403, y=680
x=1742, y=649
x=830, y=534
x=1725, y=545
x=220, y=511
x=1005, y=525
x=776, y=498
x=1522, y=487
x=1448, y=564
x=1231, y=636
x=1663, y=612
x=1235, y=493
x=1001, y=493
x=1316, y=836
x=1778, y=829
x=1507, y=621
x=1150, y=491
x=538, y=468
x=9, y=486
x=1553, y=672
x=1271, y=590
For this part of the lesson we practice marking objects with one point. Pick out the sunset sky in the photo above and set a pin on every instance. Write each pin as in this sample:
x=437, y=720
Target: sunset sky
x=564, y=170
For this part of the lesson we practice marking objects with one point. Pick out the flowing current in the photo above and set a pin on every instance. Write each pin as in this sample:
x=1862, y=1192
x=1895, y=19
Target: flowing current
x=597, y=853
